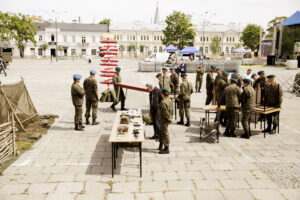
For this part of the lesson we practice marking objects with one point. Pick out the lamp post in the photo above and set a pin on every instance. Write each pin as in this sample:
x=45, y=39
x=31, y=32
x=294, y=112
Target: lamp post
x=204, y=15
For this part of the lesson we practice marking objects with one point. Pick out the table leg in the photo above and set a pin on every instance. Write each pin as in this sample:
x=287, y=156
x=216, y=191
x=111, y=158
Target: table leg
x=208, y=118
x=141, y=162
x=175, y=110
x=255, y=120
x=112, y=159
x=264, y=125
x=115, y=160
x=278, y=121
x=116, y=151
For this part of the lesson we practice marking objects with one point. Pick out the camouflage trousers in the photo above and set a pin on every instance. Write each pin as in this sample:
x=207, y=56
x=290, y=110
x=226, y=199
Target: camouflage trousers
x=198, y=84
x=78, y=114
x=91, y=104
x=184, y=108
x=246, y=120
x=164, y=134
x=209, y=96
x=232, y=118
x=273, y=118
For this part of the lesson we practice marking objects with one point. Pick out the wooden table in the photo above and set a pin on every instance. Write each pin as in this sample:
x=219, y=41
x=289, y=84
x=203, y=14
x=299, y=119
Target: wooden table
x=212, y=109
x=116, y=138
x=264, y=110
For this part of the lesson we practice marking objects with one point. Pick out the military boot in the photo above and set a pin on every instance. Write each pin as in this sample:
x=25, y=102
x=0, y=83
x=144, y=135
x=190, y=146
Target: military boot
x=226, y=133
x=160, y=148
x=123, y=108
x=165, y=150
x=95, y=122
x=231, y=133
x=113, y=107
x=81, y=125
x=268, y=129
x=181, y=121
x=87, y=121
x=188, y=124
x=245, y=135
x=273, y=131
x=78, y=127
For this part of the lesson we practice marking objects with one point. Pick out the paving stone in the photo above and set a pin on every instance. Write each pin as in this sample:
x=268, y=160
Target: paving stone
x=14, y=188
x=208, y=184
x=235, y=184
x=209, y=194
x=126, y=187
x=152, y=186
x=266, y=194
x=150, y=196
x=240, y=174
x=35, y=196
x=290, y=194
x=42, y=188
x=62, y=196
x=221, y=166
x=262, y=183
x=95, y=196
x=165, y=176
x=238, y=195
x=215, y=175
x=119, y=196
x=181, y=185
x=190, y=175
x=95, y=187
x=179, y=195
x=75, y=187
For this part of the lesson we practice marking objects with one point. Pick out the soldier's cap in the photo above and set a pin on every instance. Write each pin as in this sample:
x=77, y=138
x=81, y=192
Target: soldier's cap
x=233, y=80
x=225, y=73
x=76, y=76
x=118, y=69
x=164, y=90
x=171, y=68
x=213, y=67
x=260, y=72
x=149, y=85
x=164, y=69
x=159, y=74
x=235, y=70
x=93, y=72
x=246, y=80
x=271, y=76
x=253, y=75
x=218, y=69
x=235, y=76
x=183, y=74
x=249, y=69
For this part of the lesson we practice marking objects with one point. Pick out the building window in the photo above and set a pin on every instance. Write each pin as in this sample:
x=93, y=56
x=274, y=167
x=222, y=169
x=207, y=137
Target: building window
x=83, y=52
x=207, y=39
x=83, y=40
x=141, y=37
x=148, y=38
x=201, y=49
x=73, y=52
x=155, y=49
x=52, y=38
x=133, y=37
x=32, y=51
x=40, y=52
x=233, y=39
x=93, y=52
x=65, y=38
x=226, y=39
x=93, y=40
x=160, y=49
x=40, y=38
x=232, y=49
x=161, y=37
x=206, y=50
x=227, y=50
x=73, y=39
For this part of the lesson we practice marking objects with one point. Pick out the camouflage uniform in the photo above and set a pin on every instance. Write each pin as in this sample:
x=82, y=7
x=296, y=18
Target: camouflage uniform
x=165, y=118
x=90, y=88
x=119, y=91
x=220, y=89
x=199, y=77
x=165, y=82
x=247, y=104
x=261, y=83
x=77, y=94
x=232, y=96
x=184, y=104
x=174, y=83
x=209, y=87
x=240, y=80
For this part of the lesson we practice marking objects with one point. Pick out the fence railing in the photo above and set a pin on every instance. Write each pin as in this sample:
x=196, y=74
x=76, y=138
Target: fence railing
x=7, y=141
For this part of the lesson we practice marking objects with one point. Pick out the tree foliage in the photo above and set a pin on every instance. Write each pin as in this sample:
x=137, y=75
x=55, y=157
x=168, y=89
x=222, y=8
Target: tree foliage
x=105, y=21
x=215, y=45
x=274, y=22
x=289, y=37
x=19, y=27
x=179, y=30
x=250, y=36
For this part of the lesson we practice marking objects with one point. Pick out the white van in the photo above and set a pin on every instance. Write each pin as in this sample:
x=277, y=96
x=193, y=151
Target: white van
x=158, y=57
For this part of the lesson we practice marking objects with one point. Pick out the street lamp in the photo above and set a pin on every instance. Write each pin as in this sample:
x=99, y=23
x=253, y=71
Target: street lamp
x=204, y=15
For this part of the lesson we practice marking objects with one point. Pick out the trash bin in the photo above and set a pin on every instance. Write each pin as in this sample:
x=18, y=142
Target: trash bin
x=298, y=58
x=270, y=60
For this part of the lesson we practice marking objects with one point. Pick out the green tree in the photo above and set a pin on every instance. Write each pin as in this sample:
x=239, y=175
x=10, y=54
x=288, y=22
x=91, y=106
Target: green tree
x=179, y=30
x=289, y=37
x=105, y=21
x=215, y=45
x=142, y=47
x=60, y=48
x=274, y=22
x=44, y=47
x=250, y=36
x=5, y=26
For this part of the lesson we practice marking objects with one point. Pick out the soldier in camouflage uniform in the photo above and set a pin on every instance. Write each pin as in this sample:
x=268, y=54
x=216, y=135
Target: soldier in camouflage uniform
x=174, y=81
x=77, y=94
x=209, y=85
x=273, y=99
x=199, y=76
x=184, y=100
x=165, y=117
x=217, y=78
x=261, y=82
x=220, y=88
x=90, y=87
x=238, y=77
x=232, y=97
x=247, y=104
x=118, y=90
x=166, y=81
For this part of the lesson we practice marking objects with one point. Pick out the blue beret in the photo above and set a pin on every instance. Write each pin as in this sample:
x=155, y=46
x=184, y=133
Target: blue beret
x=246, y=80
x=271, y=76
x=213, y=67
x=93, y=72
x=235, y=70
x=118, y=69
x=164, y=90
x=76, y=76
x=225, y=73
x=217, y=69
x=171, y=68
x=235, y=76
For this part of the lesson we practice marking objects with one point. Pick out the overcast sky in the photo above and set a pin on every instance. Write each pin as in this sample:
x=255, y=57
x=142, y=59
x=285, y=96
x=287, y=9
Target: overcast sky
x=90, y=11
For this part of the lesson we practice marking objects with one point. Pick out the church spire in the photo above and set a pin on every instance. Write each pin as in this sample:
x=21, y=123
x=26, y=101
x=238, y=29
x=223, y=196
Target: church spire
x=156, y=18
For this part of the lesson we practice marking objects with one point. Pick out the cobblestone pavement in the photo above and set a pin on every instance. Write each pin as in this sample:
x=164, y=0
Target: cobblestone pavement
x=65, y=164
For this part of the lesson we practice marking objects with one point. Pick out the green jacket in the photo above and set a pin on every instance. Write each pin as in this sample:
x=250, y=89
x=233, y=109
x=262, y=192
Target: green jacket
x=273, y=95
x=186, y=89
x=221, y=85
x=200, y=72
x=165, y=110
x=165, y=82
x=77, y=94
x=90, y=88
x=261, y=81
x=232, y=96
x=115, y=80
x=175, y=83
x=248, y=98
x=217, y=79
x=209, y=81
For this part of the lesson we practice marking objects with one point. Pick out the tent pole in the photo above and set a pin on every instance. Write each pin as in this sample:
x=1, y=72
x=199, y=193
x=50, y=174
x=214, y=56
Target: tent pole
x=28, y=95
x=13, y=133
x=18, y=120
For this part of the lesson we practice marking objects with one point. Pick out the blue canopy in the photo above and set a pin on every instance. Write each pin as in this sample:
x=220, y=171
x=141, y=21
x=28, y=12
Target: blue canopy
x=170, y=48
x=292, y=20
x=241, y=50
x=189, y=50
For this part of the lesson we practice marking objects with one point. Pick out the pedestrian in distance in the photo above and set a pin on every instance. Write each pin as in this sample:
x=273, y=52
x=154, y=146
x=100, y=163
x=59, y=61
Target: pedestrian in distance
x=209, y=85
x=199, y=77
x=116, y=79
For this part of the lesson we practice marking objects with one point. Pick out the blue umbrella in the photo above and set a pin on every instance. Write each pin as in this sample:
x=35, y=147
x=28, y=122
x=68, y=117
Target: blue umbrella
x=292, y=20
x=170, y=48
x=189, y=50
